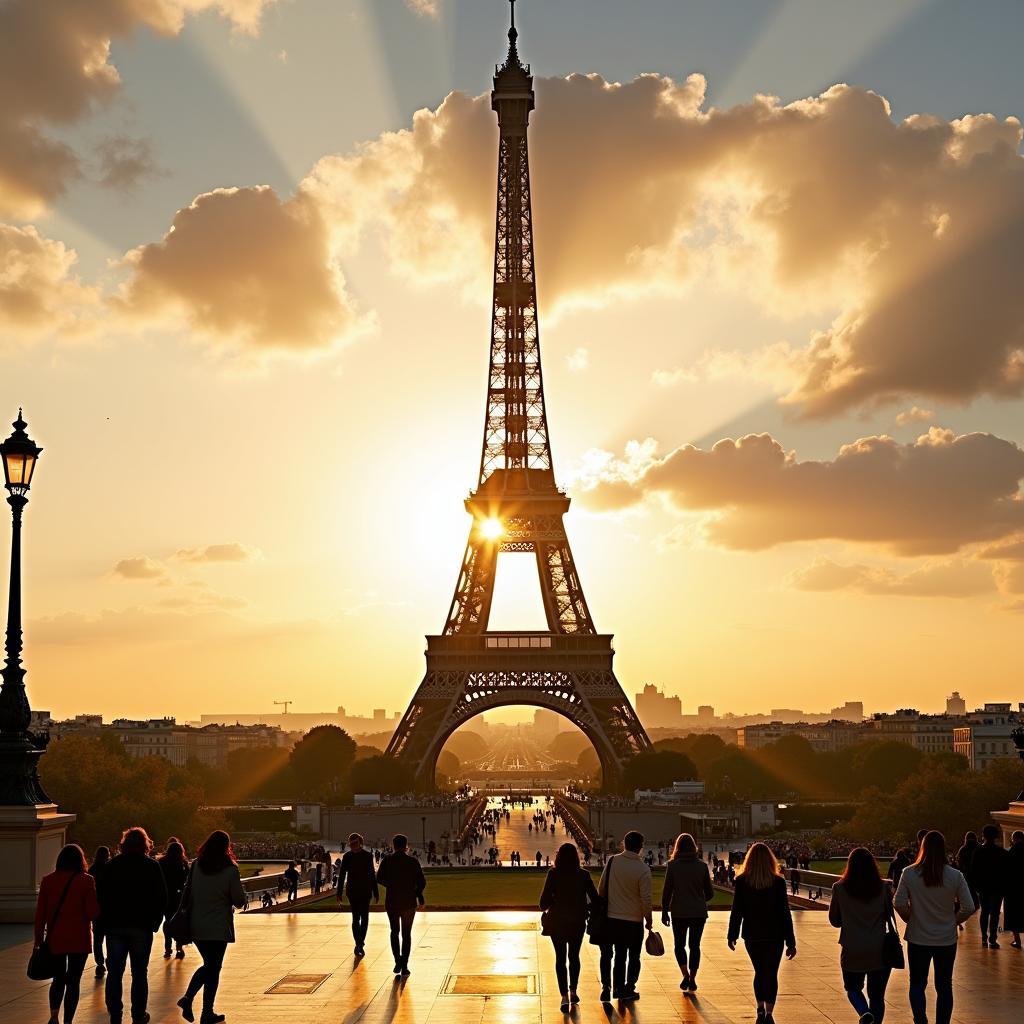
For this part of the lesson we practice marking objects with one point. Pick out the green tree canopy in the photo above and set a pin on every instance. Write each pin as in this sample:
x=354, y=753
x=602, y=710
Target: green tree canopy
x=320, y=762
x=381, y=774
x=656, y=769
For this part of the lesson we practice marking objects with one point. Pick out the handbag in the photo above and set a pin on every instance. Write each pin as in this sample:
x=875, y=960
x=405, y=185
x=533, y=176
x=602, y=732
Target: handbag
x=892, y=945
x=179, y=928
x=654, y=944
x=597, y=923
x=42, y=964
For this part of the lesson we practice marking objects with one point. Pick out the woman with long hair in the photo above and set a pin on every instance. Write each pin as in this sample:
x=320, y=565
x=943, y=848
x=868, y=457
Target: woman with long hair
x=565, y=901
x=859, y=908
x=99, y=861
x=933, y=898
x=760, y=913
x=686, y=895
x=174, y=865
x=65, y=910
x=214, y=891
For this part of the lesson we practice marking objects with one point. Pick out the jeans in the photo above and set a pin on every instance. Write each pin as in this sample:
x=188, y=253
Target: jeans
x=567, y=950
x=126, y=945
x=401, y=919
x=626, y=939
x=990, y=902
x=66, y=984
x=694, y=928
x=97, y=943
x=919, y=959
x=853, y=982
x=766, y=957
x=207, y=974
x=360, y=919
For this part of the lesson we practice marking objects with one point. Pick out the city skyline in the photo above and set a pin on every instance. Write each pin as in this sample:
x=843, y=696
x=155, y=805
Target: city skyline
x=764, y=500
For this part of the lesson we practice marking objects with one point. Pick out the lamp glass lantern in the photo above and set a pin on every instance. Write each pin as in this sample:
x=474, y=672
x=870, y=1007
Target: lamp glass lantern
x=20, y=455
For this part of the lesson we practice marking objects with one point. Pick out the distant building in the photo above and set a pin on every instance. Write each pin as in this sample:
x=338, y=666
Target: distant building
x=987, y=735
x=688, y=792
x=824, y=738
x=655, y=710
x=303, y=721
x=851, y=711
x=705, y=713
x=956, y=705
x=931, y=734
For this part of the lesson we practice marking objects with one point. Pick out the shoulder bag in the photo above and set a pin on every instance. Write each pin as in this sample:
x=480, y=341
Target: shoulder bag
x=179, y=928
x=892, y=945
x=654, y=944
x=42, y=964
x=597, y=923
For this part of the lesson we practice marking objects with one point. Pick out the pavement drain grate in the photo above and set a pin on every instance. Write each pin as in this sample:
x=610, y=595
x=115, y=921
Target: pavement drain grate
x=490, y=985
x=498, y=926
x=297, y=985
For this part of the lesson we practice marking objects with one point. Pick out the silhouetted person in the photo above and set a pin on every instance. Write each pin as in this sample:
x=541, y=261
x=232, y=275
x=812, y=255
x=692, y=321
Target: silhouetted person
x=566, y=899
x=896, y=867
x=626, y=885
x=175, y=868
x=686, y=895
x=357, y=881
x=794, y=881
x=402, y=877
x=214, y=893
x=65, y=909
x=761, y=914
x=291, y=877
x=988, y=870
x=1013, y=907
x=928, y=897
x=133, y=899
x=99, y=862
x=859, y=909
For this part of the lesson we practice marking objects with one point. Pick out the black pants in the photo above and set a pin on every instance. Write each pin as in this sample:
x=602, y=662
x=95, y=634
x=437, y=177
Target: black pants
x=567, y=951
x=401, y=919
x=128, y=945
x=207, y=974
x=626, y=939
x=168, y=941
x=360, y=919
x=989, y=917
x=853, y=982
x=919, y=959
x=766, y=957
x=97, y=943
x=66, y=984
x=691, y=928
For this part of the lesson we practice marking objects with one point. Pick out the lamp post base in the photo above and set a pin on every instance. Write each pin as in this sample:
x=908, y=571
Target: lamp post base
x=30, y=839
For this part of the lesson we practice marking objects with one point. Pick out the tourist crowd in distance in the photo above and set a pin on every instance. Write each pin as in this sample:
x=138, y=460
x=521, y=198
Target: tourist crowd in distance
x=115, y=907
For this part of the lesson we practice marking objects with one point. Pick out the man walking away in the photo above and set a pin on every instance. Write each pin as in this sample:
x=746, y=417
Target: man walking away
x=132, y=897
x=356, y=879
x=402, y=877
x=988, y=870
x=794, y=880
x=291, y=877
x=626, y=885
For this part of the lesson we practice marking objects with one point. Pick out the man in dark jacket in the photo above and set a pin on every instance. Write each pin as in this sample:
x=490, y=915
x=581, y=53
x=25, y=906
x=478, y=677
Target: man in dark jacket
x=356, y=879
x=132, y=897
x=988, y=867
x=403, y=878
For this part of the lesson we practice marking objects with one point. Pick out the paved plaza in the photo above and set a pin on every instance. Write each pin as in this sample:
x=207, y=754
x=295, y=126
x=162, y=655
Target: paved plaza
x=484, y=967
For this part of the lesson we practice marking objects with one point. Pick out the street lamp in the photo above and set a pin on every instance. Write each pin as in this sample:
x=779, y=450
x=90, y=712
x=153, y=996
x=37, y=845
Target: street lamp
x=19, y=749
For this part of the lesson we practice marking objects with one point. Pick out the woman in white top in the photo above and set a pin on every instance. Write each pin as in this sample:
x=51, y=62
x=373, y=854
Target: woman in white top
x=933, y=898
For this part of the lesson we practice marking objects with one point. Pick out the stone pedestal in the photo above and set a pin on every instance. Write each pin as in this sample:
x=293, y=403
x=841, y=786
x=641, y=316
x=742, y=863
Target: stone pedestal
x=1010, y=821
x=30, y=839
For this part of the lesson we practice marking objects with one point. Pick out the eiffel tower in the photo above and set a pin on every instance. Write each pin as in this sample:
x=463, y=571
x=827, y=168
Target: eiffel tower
x=517, y=507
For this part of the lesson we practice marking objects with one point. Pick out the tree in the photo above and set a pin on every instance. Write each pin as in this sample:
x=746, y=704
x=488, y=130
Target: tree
x=381, y=774
x=447, y=769
x=589, y=763
x=885, y=764
x=467, y=745
x=320, y=762
x=656, y=769
x=567, y=746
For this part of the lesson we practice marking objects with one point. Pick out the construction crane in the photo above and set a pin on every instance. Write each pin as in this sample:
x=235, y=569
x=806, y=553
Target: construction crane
x=286, y=704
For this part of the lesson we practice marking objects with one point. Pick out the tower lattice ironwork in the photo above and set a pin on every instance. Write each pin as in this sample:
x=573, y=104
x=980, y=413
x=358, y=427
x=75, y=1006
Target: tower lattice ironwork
x=517, y=507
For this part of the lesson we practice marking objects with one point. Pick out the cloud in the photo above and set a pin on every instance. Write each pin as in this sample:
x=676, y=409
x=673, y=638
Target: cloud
x=215, y=553
x=958, y=578
x=55, y=70
x=124, y=161
x=935, y=495
x=140, y=568
x=913, y=415
x=425, y=8
x=578, y=360
x=243, y=266
x=39, y=292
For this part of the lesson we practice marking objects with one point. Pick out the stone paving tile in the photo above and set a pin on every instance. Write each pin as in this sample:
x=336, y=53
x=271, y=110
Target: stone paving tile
x=989, y=983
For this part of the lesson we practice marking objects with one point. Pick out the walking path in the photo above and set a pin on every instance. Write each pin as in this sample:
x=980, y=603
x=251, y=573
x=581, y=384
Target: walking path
x=462, y=961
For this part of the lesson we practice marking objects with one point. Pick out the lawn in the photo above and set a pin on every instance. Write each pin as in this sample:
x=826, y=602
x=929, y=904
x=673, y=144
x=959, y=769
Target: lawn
x=516, y=888
x=249, y=870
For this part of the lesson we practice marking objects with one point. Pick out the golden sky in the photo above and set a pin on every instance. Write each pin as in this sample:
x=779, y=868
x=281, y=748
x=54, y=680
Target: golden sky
x=244, y=300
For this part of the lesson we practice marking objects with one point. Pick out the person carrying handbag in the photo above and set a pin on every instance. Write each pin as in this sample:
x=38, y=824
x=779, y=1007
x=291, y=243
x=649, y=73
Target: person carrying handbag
x=861, y=908
x=65, y=910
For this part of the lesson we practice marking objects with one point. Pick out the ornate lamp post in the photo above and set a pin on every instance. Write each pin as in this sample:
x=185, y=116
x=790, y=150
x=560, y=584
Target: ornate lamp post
x=1018, y=742
x=20, y=750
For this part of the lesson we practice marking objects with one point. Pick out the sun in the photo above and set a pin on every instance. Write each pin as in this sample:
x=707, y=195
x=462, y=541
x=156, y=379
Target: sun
x=492, y=528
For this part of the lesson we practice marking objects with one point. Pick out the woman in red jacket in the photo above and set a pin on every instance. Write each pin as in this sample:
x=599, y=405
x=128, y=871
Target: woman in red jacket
x=64, y=912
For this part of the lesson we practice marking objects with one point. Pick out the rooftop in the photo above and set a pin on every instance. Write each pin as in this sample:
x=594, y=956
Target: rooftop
x=460, y=960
